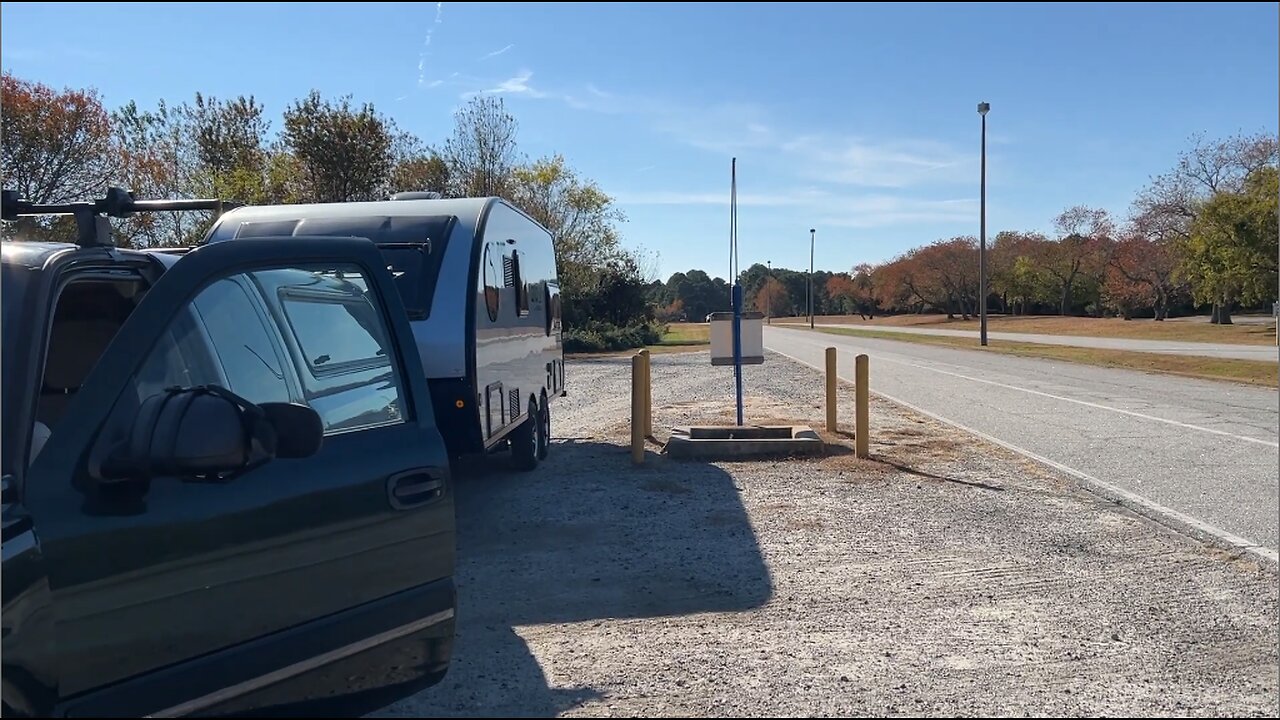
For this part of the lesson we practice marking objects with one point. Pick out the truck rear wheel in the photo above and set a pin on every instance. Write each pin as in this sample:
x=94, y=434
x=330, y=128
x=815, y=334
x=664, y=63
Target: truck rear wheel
x=524, y=440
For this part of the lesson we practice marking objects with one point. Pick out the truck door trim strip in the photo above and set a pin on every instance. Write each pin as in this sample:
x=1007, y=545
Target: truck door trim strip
x=284, y=673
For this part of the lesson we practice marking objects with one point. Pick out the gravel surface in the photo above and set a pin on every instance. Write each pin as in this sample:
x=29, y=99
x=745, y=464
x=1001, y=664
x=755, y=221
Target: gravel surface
x=942, y=577
x=1207, y=449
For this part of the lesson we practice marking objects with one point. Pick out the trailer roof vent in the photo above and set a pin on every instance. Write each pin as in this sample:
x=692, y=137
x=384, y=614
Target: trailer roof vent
x=417, y=195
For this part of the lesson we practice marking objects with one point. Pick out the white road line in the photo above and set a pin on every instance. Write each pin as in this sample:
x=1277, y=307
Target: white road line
x=1086, y=403
x=1149, y=508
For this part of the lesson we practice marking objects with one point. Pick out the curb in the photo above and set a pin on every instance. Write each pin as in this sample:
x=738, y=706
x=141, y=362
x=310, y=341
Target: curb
x=1179, y=522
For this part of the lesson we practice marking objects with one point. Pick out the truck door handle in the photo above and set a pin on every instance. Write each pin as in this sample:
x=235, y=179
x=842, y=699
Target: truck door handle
x=414, y=488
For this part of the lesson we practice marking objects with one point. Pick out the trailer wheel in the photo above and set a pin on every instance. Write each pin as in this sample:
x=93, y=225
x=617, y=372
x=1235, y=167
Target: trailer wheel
x=524, y=440
x=544, y=428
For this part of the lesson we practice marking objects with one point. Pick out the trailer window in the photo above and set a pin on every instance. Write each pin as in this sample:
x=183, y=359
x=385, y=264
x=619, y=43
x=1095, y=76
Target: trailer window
x=521, y=287
x=348, y=376
x=408, y=264
x=335, y=335
x=492, y=288
x=412, y=246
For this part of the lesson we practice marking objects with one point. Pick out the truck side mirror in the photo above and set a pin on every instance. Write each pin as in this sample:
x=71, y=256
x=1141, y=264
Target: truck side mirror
x=207, y=432
x=299, y=430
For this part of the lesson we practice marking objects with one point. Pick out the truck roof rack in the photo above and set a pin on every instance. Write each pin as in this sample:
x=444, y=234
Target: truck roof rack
x=92, y=226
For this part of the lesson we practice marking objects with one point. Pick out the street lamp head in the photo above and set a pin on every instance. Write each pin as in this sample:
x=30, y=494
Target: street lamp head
x=983, y=108
x=812, y=231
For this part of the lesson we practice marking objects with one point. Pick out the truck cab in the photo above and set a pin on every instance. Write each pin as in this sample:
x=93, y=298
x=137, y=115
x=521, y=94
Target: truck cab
x=224, y=490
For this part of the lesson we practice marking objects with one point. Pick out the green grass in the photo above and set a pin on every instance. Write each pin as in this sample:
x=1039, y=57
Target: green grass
x=1253, y=372
x=685, y=335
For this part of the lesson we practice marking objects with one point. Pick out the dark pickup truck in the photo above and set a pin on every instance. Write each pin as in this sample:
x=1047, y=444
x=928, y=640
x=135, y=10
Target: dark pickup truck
x=224, y=490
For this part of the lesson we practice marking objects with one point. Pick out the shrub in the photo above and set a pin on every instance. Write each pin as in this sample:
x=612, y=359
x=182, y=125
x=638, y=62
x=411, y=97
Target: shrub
x=598, y=336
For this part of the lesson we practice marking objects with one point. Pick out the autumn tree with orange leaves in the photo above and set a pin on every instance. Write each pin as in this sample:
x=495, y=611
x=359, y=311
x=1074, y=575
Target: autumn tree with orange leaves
x=773, y=299
x=1142, y=272
x=56, y=144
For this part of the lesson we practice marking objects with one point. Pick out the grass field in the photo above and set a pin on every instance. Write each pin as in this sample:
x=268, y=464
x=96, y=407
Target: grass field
x=687, y=334
x=681, y=337
x=1184, y=330
x=1252, y=372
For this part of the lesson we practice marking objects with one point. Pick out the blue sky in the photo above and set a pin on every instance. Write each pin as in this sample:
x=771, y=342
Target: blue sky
x=859, y=121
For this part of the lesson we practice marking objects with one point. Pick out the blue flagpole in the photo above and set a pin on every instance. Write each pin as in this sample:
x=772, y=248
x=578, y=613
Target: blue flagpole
x=737, y=344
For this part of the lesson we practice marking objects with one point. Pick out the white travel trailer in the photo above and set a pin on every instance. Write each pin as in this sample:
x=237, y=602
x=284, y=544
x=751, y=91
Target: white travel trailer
x=478, y=278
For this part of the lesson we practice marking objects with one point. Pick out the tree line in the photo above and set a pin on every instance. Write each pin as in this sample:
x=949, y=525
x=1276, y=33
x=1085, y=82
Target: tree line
x=1203, y=235
x=65, y=145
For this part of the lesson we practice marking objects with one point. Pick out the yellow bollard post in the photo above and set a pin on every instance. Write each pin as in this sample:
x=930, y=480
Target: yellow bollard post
x=862, y=435
x=637, y=409
x=831, y=389
x=648, y=393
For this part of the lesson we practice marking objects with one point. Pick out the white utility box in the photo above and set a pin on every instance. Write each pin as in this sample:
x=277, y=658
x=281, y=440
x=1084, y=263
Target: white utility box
x=752, y=338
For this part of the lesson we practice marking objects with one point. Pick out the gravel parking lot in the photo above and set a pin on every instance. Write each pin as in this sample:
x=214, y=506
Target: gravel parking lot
x=944, y=576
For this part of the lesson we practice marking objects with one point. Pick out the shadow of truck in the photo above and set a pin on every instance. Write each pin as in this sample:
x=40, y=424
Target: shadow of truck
x=585, y=537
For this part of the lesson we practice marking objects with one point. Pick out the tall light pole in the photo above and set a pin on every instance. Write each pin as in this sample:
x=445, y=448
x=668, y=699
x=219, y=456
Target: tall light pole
x=982, y=246
x=811, y=234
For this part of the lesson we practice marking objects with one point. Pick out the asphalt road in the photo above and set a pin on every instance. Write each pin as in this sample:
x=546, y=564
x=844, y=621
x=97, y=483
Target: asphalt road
x=1207, y=450
x=1268, y=353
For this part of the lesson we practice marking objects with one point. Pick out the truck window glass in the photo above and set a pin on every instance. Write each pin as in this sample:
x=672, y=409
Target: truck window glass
x=232, y=337
x=87, y=314
x=241, y=342
x=14, y=286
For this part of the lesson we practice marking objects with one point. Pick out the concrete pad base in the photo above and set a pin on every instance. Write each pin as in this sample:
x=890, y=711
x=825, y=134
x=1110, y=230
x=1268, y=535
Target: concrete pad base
x=733, y=441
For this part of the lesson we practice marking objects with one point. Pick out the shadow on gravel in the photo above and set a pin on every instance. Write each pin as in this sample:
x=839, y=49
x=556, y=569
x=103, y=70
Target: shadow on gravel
x=943, y=478
x=839, y=450
x=585, y=537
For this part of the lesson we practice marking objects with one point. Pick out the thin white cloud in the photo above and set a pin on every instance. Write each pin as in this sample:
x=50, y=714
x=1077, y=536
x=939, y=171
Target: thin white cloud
x=884, y=211
x=668, y=197
x=725, y=128
x=749, y=130
x=517, y=85
x=887, y=163
x=746, y=130
x=496, y=53
x=827, y=208
x=592, y=99
x=426, y=45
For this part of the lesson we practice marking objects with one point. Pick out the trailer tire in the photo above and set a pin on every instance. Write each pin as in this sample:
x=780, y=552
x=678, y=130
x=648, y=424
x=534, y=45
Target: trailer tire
x=524, y=441
x=544, y=428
